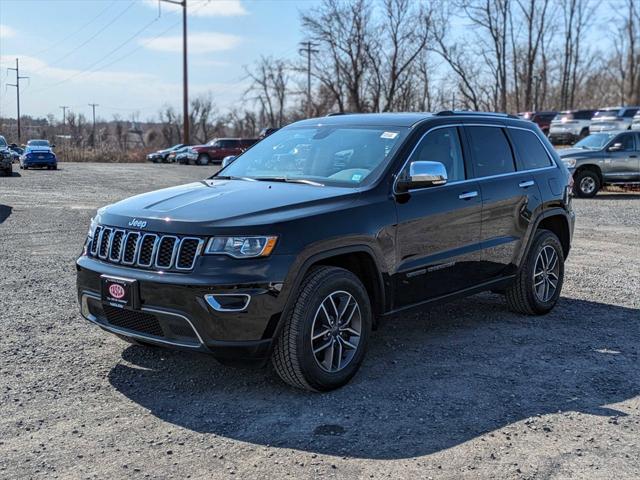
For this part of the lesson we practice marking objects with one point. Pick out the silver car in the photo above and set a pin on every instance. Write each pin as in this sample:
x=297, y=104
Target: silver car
x=613, y=118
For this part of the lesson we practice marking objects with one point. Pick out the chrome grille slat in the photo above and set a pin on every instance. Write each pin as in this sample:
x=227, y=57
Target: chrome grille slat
x=145, y=250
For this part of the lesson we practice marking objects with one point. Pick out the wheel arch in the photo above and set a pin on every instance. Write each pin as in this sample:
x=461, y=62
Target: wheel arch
x=592, y=167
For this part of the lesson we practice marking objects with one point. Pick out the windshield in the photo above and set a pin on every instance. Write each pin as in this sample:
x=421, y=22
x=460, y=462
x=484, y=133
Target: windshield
x=595, y=141
x=320, y=155
x=38, y=143
x=606, y=113
x=563, y=117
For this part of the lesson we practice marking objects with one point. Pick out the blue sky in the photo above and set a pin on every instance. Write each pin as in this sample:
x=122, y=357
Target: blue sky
x=66, y=47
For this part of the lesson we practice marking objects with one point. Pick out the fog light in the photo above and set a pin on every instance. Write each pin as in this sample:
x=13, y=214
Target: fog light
x=228, y=302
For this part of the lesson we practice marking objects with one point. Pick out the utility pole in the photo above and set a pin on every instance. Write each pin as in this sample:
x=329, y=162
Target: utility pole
x=308, y=49
x=17, y=85
x=93, y=131
x=185, y=87
x=64, y=114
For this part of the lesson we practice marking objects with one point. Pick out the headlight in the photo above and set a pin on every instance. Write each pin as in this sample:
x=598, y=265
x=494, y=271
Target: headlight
x=241, y=247
x=569, y=162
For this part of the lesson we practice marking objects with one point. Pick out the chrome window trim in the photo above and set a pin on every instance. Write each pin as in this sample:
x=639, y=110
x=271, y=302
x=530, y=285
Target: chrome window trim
x=153, y=250
x=469, y=180
x=173, y=252
x=113, y=234
x=84, y=311
x=195, y=257
x=135, y=248
x=213, y=303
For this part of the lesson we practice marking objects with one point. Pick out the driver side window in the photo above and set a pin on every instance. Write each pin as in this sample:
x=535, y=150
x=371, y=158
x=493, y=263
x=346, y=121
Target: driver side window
x=442, y=145
x=626, y=139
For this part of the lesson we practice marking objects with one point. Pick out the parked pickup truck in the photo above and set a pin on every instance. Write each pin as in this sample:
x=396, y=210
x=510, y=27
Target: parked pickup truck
x=605, y=158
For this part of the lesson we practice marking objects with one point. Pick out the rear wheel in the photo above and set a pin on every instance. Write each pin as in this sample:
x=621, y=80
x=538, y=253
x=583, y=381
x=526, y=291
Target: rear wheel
x=586, y=184
x=324, y=337
x=538, y=284
x=203, y=159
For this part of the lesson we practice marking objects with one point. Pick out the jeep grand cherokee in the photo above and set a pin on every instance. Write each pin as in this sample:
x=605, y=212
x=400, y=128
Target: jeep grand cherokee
x=295, y=250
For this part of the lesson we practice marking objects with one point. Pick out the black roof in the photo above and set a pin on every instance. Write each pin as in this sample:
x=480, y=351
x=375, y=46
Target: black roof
x=401, y=119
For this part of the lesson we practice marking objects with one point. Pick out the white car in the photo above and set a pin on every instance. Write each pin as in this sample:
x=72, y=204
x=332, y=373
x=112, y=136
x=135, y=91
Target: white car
x=635, y=123
x=570, y=126
x=612, y=118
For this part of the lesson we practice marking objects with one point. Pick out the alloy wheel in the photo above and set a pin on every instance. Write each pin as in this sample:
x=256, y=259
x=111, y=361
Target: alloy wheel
x=336, y=331
x=587, y=185
x=546, y=274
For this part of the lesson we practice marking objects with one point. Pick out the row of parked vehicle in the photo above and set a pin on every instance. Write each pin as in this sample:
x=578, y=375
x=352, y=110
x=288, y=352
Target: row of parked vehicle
x=570, y=126
x=36, y=153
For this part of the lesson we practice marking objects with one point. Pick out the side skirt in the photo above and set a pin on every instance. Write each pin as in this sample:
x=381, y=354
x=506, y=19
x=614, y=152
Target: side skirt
x=497, y=283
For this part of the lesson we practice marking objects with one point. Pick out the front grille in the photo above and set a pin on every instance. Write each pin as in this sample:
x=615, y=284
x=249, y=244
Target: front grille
x=133, y=320
x=145, y=250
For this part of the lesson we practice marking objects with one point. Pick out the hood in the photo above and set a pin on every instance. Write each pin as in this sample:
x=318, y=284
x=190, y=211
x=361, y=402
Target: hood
x=579, y=152
x=198, y=207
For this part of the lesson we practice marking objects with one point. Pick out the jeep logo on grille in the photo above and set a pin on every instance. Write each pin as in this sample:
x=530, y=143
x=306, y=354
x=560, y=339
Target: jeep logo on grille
x=116, y=291
x=137, y=223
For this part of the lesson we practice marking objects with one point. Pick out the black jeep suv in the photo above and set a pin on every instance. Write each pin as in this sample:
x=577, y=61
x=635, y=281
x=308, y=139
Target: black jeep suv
x=295, y=250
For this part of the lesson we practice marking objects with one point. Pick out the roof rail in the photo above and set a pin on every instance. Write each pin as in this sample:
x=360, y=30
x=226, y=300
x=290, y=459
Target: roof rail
x=445, y=113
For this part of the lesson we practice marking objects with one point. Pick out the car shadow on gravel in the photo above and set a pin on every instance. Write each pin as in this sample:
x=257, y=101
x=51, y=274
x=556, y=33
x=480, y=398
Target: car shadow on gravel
x=5, y=212
x=431, y=380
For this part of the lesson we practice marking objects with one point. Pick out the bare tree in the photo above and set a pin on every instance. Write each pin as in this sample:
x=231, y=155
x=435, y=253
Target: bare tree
x=270, y=89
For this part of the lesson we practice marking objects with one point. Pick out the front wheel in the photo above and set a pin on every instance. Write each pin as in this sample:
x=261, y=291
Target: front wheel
x=537, y=286
x=203, y=159
x=586, y=184
x=324, y=336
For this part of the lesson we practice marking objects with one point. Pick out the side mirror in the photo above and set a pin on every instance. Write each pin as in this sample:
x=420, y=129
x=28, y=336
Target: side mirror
x=424, y=174
x=53, y=146
x=616, y=147
x=228, y=160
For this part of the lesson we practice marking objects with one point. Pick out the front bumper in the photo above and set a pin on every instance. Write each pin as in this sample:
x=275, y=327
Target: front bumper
x=173, y=311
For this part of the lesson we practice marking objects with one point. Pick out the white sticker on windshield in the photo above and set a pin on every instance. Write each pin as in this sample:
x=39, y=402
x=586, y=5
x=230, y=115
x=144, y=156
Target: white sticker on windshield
x=356, y=177
x=389, y=135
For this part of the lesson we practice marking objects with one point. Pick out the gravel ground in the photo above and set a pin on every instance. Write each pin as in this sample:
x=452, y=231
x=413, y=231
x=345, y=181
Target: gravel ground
x=465, y=390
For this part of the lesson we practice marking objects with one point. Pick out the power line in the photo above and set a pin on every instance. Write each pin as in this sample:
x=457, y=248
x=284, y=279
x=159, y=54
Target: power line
x=75, y=32
x=68, y=54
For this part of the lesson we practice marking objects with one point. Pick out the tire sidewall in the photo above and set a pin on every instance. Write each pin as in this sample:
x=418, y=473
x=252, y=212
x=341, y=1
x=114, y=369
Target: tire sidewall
x=545, y=238
x=203, y=159
x=315, y=375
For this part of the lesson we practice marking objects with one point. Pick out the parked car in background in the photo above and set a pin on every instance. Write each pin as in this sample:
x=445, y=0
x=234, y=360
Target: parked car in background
x=218, y=148
x=181, y=156
x=161, y=156
x=635, y=123
x=570, y=126
x=604, y=158
x=39, y=153
x=6, y=158
x=265, y=132
x=614, y=118
x=542, y=119
x=173, y=155
x=16, y=152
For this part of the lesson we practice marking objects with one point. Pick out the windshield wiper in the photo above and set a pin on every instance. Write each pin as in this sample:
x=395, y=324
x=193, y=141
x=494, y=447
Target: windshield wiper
x=231, y=177
x=289, y=180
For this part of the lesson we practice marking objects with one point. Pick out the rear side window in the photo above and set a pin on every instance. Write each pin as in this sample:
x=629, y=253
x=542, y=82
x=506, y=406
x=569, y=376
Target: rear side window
x=531, y=153
x=630, y=112
x=229, y=143
x=490, y=151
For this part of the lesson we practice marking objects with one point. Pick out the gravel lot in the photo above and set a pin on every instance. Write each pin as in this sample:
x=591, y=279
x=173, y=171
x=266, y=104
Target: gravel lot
x=466, y=390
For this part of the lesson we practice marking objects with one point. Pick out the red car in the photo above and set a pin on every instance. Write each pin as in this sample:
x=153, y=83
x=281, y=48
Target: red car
x=542, y=119
x=218, y=148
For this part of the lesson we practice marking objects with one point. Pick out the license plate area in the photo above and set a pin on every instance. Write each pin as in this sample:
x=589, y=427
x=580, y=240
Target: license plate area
x=120, y=292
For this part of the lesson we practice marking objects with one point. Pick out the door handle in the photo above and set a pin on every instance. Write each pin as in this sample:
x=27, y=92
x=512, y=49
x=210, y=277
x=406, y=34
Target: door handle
x=528, y=183
x=467, y=195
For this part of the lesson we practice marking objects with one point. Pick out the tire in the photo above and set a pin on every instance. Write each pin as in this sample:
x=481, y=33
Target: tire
x=203, y=159
x=523, y=295
x=55, y=167
x=293, y=357
x=586, y=184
